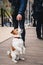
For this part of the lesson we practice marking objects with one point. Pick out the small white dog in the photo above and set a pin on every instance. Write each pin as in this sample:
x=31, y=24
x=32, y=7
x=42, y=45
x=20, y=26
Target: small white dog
x=17, y=47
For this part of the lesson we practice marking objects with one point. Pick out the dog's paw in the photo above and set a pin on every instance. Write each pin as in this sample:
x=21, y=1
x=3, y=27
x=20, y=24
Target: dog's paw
x=14, y=61
x=8, y=52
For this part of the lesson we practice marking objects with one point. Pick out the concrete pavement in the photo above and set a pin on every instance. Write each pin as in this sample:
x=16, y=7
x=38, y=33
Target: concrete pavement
x=5, y=33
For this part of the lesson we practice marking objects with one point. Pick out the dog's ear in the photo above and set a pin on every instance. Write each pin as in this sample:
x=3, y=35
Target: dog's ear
x=14, y=32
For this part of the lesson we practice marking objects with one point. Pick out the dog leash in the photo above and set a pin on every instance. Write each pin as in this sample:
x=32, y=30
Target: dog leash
x=19, y=29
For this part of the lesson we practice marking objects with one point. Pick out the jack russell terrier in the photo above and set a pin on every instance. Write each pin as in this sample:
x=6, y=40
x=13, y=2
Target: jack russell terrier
x=17, y=48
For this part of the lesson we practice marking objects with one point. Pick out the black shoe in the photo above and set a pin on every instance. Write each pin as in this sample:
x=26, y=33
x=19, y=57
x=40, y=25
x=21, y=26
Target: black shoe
x=40, y=38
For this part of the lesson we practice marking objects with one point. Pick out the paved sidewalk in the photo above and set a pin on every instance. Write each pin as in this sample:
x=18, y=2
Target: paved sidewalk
x=34, y=50
x=5, y=33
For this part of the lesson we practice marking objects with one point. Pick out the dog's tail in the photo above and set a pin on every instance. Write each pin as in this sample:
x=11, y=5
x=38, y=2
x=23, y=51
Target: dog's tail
x=9, y=54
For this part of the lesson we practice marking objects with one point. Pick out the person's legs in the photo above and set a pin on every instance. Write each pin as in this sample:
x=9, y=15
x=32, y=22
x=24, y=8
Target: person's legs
x=42, y=33
x=38, y=28
x=15, y=22
x=39, y=25
x=42, y=22
x=23, y=30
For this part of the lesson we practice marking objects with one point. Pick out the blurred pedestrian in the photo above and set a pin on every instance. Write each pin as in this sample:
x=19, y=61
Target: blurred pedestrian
x=38, y=15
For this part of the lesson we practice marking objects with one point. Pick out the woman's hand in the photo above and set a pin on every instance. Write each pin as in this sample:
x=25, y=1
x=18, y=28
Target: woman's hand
x=19, y=17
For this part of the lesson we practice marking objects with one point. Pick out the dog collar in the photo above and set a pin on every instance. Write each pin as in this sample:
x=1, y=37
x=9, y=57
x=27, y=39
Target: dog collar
x=18, y=37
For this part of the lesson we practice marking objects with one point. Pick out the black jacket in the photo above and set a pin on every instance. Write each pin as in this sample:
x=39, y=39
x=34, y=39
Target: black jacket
x=37, y=8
